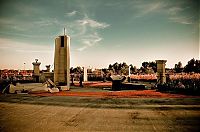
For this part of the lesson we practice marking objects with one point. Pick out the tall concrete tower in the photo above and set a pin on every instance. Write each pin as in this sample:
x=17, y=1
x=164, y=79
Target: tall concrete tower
x=62, y=61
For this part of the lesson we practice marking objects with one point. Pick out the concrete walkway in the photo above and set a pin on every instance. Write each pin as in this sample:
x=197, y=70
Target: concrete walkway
x=31, y=113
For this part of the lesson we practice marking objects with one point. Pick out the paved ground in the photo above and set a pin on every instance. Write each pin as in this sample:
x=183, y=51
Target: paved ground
x=25, y=113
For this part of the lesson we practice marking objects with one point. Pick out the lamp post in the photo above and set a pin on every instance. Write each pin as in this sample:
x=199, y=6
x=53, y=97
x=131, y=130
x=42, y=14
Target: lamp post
x=24, y=67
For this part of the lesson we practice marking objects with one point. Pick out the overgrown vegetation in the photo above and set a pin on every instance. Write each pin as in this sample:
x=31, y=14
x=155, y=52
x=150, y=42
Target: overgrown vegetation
x=182, y=83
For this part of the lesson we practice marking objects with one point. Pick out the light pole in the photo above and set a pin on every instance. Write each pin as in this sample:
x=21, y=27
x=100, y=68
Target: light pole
x=24, y=67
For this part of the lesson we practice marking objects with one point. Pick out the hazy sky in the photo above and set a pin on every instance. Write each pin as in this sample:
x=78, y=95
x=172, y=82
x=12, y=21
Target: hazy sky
x=102, y=31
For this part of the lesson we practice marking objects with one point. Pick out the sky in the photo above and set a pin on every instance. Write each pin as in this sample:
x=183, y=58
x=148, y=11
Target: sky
x=102, y=32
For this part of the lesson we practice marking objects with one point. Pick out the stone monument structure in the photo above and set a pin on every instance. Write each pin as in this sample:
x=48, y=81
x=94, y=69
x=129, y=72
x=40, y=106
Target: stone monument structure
x=48, y=68
x=85, y=77
x=36, y=70
x=62, y=61
x=129, y=73
x=161, y=77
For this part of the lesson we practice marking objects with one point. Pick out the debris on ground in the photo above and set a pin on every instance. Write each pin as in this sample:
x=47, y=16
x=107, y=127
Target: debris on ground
x=46, y=87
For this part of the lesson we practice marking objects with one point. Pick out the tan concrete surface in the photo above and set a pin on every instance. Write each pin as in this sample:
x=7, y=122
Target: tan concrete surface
x=94, y=114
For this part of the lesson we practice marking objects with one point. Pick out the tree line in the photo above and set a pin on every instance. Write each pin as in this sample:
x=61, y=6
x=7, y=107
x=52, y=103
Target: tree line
x=146, y=68
x=192, y=66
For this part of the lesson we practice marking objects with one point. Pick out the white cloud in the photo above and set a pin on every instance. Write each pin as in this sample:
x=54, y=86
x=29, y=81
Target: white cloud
x=92, y=23
x=181, y=20
x=154, y=7
x=89, y=41
x=71, y=13
x=174, y=13
x=174, y=10
x=85, y=31
x=82, y=48
x=112, y=4
x=92, y=39
x=143, y=8
x=47, y=22
x=176, y=16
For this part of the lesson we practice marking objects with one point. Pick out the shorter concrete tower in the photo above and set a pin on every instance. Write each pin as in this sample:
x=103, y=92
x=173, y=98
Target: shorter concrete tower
x=85, y=77
x=62, y=61
x=48, y=68
x=36, y=70
x=161, y=77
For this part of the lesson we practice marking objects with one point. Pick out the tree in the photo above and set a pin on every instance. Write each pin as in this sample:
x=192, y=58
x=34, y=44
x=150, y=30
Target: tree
x=190, y=67
x=71, y=70
x=149, y=67
x=110, y=67
x=178, y=67
x=124, y=68
x=134, y=69
x=145, y=64
x=153, y=65
x=77, y=69
x=198, y=66
x=124, y=65
x=116, y=67
x=104, y=70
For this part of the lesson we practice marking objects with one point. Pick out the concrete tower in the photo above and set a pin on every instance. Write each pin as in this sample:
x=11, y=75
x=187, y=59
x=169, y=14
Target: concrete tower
x=161, y=77
x=62, y=61
x=48, y=68
x=36, y=70
x=85, y=76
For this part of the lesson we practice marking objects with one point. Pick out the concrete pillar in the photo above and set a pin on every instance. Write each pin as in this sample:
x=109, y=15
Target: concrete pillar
x=161, y=77
x=36, y=70
x=62, y=61
x=129, y=71
x=85, y=77
x=48, y=68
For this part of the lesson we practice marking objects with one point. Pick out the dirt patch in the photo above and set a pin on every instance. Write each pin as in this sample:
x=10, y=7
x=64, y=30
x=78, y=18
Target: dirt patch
x=95, y=84
x=119, y=94
x=95, y=89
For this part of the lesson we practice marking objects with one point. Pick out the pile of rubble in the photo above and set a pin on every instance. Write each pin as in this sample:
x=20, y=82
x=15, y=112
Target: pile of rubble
x=48, y=86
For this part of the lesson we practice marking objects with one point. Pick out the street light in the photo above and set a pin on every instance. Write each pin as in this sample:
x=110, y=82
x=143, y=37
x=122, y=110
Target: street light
x=24, y=67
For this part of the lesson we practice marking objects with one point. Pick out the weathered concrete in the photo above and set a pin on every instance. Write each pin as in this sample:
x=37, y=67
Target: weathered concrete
x=48, y=68
x=28, y=87
x=161, y=77
x=85, y=76
x=94, y=114
x=36, y=68
x=62, y=61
